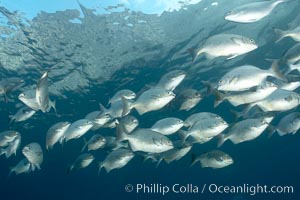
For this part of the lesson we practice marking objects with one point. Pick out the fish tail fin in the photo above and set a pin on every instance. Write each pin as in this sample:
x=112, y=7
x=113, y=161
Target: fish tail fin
x=210, y=87
x=100, y=165
x=194, y=53
x=12, y=120
x=85, y=144
x=121, y=133
x=248, y=108
x=237, y=114
x=221, y=140
x=271, y=130
x=159, y=161
x=219, y=97
x=53, y=105
x=69, y=169
x=279, y=34
x=275, y=71
x=194, y=159
x=127, y=106
x=10, y=172
x=183, y=135
x=102, y=108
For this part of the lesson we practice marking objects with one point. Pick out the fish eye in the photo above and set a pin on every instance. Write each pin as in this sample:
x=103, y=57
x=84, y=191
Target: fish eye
x=229, y=12
x=221, y=81
x=134, y=121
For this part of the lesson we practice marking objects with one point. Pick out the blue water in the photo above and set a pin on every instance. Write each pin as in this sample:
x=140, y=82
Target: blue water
x=264, y=161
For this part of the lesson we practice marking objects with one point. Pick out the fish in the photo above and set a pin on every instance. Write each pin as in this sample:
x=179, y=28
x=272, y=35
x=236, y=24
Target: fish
x=173, y=155
x=7, y=137
x=23, y=166
x=246, y=130
x=252, y=95
x=96, y=142
x=42, y=94
x=112, y=143
x=115, y=110
x=196, y=117
x=34, y=154
x=127, y=94
x=82, y=161
x=101, y=120
x=12, y=147
x=92, y=116
x=289, y=124
x=189, y=99
x=205, y=130
x=129, y=123
x=292, y=33
x=279, y=100
x=150, y=100
x=167, y=126
x=116, y=160
x=8, y=85
x=55, y=134
x=28, y=101
x=224, y=45
x=22, y=114
x=171, y=80
x=252, y=12
x=145, y=140
x=214, y=159
x=77, y=129
x=247, y=76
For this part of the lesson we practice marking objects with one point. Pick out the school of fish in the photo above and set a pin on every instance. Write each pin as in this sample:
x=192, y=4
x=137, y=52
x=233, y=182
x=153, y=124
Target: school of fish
x=262, y=95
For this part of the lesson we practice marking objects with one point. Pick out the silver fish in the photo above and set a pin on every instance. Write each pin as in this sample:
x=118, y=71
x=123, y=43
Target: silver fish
x=42, y=94
x=129, y=123
x=8, y=85
x=246, y=130
x=171, y=80
x=127, y=94
x=252, y=95
x=194, y=118
x=145, y=140
x=77, y=129
x=247, y=76
x=34, y=154
x=173, y=155
x=82, y=161
x=214, y=159
x=29, y=101
x=279, y=100
x=7, y=137
x=252, y=12
x=101, y=120
x=12, y=148
x=96, y=142
x=22, y=114
x=116, y=159
x=205, y=130
x=22, y=167
x=150, y=100
x=92, y=116
x=224, y=45
x=189, y=99
x=167, y=126
x=55, y=134
x=289, y=124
